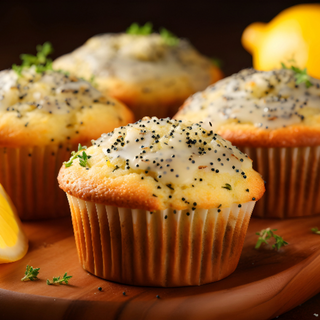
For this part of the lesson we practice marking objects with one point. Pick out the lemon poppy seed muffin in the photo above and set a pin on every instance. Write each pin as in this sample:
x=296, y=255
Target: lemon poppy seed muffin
x=161, y=203
x=43, y=117
x=149, y=75
x=276, y=121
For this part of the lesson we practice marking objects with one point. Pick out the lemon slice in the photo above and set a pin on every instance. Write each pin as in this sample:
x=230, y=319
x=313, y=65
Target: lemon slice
x=13, y=241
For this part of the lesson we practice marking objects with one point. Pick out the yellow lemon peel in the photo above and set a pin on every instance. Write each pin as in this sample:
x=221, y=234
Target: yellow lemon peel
x=13, y=241
x=292, y=37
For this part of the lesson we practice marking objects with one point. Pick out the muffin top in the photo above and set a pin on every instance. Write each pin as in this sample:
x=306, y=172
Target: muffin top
x=156, y=164
x=138, y=59
x=52, y=107
x=258, y=108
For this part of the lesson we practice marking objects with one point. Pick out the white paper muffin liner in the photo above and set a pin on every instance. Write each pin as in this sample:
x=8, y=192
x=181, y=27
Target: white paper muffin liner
x=292, y=178
x=29, y=175
x=164, y=248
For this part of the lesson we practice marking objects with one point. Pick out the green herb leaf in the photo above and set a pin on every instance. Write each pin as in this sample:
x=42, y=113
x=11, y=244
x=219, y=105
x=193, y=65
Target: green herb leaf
x=83, y=159
x=57, y=280
x=227, y=186
x=144, y=30
x=301, y=76
x=44, y=50
x=279, y=242
x=259, y=242
x=315, y=230
x=40, y=61
x=17, y=69
x=31, y=274
x=168, y=37
x=42, y=68
x=267, y=234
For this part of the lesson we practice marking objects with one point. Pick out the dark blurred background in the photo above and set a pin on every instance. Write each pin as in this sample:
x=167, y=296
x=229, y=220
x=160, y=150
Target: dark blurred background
x=214, y=27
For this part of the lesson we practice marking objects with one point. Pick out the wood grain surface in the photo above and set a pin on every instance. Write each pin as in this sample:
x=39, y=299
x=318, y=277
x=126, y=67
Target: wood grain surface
x=265, y=284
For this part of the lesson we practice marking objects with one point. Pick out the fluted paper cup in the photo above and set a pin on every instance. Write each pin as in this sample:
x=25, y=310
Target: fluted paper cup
x=292, y=181
x=166, y=248
x=29, y=175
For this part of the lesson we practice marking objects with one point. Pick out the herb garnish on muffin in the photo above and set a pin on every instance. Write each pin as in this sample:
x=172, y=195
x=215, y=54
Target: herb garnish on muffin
x=40, y=61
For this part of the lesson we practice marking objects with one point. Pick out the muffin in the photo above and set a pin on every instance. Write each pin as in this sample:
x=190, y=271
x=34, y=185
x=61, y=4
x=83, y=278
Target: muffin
x=276, y=121
x=151, y=73
x=43, y=116
x=161, y=203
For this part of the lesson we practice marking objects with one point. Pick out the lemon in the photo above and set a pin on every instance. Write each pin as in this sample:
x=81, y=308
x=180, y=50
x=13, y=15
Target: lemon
x=13, y=241
x=292, y=37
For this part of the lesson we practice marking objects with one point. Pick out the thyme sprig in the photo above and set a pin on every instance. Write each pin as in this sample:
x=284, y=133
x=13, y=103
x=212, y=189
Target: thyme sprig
x=40, y=61
x=83, y=157
x=168, y=37
x=315, y=230
x=31, y=274
x=266, y=234
x=301, y=76
x=57, y=280
x=144, y=30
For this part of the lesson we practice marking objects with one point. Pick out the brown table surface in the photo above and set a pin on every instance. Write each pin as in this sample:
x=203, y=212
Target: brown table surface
x=266, y=282
x=308, y=310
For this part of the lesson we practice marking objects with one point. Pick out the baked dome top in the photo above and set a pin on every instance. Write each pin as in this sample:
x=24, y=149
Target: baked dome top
x=260, y=108
x=156, y=163
x=138, y=59
x=41, y=108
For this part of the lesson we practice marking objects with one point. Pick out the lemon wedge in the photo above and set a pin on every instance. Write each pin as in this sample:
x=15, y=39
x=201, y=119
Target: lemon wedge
x=13, y=241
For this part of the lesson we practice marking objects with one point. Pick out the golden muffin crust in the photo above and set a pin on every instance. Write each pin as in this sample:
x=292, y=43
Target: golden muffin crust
x=141, y=70
x=38, y=109
x=260, y=109
x=157, y=164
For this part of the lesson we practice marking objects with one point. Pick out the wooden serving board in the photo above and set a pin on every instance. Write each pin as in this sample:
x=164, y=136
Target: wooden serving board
x=266, y=283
